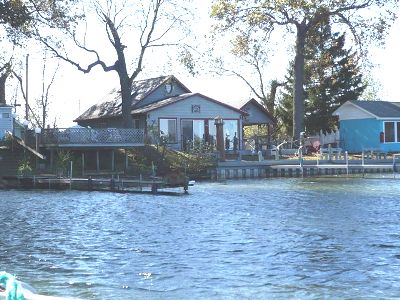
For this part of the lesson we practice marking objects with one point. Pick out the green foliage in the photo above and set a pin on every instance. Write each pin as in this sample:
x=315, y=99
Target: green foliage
x=368, y=21
x=372, y=88
x=194, y=163
x=14, y=13
x=24, y=168
x=25, y=18
x=332, y=77
x=187, y=60
x=7, y=140
x=62, y=160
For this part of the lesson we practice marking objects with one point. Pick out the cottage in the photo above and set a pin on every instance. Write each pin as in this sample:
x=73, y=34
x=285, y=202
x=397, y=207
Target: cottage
x=166, y=108
x=369, y=125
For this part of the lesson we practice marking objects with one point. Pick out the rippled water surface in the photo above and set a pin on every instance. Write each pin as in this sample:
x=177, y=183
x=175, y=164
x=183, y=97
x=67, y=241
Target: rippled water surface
x=274, y=238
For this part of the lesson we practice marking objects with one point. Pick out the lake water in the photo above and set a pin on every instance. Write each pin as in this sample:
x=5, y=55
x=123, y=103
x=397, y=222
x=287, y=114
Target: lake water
x=249, y=239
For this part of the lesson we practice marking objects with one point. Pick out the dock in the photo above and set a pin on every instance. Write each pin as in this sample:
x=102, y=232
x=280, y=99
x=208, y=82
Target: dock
x=139, y=184
x=305, y=168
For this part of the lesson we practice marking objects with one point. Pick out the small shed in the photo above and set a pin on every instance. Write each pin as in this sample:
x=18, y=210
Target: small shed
x=6, y=119
x=369, y=125
x=258, y=116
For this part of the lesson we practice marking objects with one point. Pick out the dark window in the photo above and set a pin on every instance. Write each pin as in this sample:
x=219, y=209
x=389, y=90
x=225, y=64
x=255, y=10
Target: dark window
x=389, y=132
x=398, y=132
x=136, y=123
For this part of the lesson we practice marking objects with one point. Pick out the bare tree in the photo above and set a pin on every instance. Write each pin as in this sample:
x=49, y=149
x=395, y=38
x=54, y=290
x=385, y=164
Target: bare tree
x=39, y=113
x=153, y=20
x=251, y=56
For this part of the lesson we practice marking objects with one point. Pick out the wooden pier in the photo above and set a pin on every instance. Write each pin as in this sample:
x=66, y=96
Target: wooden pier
x=118, y=184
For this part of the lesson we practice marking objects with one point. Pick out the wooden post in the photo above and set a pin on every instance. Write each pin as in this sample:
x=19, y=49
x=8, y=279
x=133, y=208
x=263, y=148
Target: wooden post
x=112, y=160
x=126, y=160
x=83, y=163
x=97, y=161
x=219, y=123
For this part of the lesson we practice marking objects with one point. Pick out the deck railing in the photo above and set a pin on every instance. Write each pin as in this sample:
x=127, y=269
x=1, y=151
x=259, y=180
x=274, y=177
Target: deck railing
x=91, y=136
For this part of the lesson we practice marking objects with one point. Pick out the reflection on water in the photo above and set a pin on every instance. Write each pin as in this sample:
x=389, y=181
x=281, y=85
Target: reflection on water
x=275, y=238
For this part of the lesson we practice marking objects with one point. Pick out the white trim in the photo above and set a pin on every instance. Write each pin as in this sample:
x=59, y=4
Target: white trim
x=396, y=141
x=388, y=119
x=337, y=111
x=364, y=110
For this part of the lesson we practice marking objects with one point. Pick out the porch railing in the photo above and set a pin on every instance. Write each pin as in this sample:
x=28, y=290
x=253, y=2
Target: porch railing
x=91, y=136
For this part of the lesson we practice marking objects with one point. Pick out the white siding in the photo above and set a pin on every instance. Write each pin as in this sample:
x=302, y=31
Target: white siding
x=183, y=110
x=349, y=111
x=5, y=123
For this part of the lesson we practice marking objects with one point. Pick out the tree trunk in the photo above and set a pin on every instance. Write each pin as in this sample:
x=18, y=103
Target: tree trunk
x=126, y=88
x=126, y=101
x=3, y=79
x=270, y=103
x=298, y=95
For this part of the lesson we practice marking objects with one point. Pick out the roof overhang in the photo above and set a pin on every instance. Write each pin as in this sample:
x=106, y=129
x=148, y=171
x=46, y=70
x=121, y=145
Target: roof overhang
x=349, y=103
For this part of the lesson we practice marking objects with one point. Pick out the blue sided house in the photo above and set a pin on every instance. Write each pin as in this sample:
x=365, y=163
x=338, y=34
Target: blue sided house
x=369, y=125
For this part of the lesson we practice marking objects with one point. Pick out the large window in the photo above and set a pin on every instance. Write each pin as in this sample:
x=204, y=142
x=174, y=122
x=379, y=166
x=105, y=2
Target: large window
x=168, y=130
x=193, y=132
x=392, y=132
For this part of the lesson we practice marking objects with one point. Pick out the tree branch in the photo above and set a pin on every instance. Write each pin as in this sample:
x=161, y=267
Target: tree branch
x=85, y=70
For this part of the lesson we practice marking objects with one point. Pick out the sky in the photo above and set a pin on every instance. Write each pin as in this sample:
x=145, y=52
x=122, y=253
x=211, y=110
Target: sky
x=73, y=92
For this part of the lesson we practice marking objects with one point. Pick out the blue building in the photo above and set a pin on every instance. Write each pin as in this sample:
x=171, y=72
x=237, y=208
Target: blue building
x=6, y=119
x=369, y=125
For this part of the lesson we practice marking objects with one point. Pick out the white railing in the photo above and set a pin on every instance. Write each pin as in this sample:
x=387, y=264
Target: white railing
x=327, y=138
x=87, y=136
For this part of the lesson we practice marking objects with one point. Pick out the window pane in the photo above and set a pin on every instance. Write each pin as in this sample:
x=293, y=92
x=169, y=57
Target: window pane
x=187, y=130
x=230, y=132
x=389, y=132
x=198, y=130
x=136, y=123
x=398, y=132
x=168, y=130
x=5, y=115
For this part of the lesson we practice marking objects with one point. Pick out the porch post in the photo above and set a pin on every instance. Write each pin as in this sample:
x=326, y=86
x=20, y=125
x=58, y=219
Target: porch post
x=219, y=123
x=97, y=161
x=83, y=163
x=126, y=160
x=112, y=160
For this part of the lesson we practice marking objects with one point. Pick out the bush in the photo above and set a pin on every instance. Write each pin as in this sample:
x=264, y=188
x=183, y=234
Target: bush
x=24, y=168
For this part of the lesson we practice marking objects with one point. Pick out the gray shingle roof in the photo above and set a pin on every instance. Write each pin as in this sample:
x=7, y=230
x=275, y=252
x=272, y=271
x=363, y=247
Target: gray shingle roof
x=111, y=104
x=381, y=109
x=175, y=99
x=162, y=103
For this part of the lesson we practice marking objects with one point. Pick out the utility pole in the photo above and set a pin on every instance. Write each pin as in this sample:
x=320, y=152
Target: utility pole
x=26, y=88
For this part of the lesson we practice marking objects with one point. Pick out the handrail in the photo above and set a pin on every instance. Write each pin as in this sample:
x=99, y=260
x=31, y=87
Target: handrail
x=88, y=136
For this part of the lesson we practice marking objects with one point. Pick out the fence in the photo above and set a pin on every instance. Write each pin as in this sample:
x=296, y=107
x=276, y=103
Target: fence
x=327, y=138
